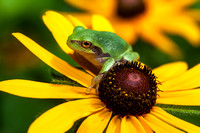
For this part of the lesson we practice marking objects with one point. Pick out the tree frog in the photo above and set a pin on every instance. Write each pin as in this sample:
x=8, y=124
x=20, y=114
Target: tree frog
x=101, y=48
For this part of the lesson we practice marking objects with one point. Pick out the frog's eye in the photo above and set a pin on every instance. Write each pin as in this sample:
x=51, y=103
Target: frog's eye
x=86, y=44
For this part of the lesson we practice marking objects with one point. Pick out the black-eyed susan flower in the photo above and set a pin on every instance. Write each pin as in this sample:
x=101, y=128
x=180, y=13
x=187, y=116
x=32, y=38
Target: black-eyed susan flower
x=116, y=108
x=148, y=19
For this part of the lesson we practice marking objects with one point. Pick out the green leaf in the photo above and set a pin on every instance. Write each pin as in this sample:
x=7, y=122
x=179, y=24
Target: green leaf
x=187, y=113
x=58, y=78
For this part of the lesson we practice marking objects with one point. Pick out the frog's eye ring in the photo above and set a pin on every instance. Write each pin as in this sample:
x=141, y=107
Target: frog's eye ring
x=86, y=44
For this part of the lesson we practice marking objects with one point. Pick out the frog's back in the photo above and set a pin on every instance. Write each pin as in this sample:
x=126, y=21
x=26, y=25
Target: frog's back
x=112, y=44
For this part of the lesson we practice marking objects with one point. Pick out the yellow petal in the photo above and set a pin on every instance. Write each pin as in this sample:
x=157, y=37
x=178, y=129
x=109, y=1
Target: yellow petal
x=95, y=123
x=186, y=97
x=158, y=125
x=180, y=3
x=76, y=22
x=60, y=27
x=125, y=30
x=178, y=21
x=170, y=70
x=194, y=13
x=161, y=41
x=33, y=89
x=62, y=117
x=184, y=26
x=144, y=124
x=186, y=126
x=85, y=18
x=105, y=7
x=55, y=62
x=130, y=124
x=114, y=125
x=187, y=80
x=100, y=23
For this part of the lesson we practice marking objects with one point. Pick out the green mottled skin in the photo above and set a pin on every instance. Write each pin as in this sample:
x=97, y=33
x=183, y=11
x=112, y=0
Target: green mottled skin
x=108, y=42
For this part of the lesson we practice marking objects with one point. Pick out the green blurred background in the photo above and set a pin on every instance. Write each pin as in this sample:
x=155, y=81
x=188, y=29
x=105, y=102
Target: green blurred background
x=16, y=62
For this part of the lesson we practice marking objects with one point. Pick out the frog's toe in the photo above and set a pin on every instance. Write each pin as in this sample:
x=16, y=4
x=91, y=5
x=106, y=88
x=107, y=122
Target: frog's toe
x=88, y=90
x=90, y=87
x=95, y=83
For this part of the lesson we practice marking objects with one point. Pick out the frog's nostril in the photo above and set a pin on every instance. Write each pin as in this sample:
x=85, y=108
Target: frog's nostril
x=75, y=41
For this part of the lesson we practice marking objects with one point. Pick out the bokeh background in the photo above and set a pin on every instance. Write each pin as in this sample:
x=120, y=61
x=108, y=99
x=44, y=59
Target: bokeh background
x=16, y=62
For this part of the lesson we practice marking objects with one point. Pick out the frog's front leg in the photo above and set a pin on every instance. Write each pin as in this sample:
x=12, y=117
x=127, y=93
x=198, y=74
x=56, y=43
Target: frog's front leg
x=96, y=80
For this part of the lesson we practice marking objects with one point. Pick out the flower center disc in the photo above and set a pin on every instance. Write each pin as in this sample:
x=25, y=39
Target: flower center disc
x=132, y=81
x=129, y=89
x=130, y=8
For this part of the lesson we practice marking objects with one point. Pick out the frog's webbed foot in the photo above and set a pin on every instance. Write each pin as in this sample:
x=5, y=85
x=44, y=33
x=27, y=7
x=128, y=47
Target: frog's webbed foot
x=95, y=83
